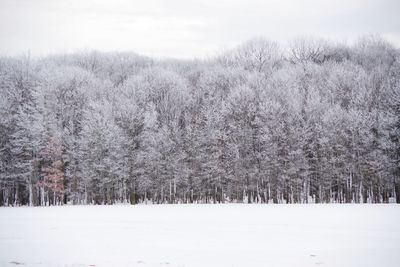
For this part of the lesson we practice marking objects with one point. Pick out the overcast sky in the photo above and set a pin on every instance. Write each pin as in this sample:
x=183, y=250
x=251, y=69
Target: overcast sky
x=184, y=28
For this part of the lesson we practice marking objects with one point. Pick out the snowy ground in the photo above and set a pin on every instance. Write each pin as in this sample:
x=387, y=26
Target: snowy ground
x=201, y=235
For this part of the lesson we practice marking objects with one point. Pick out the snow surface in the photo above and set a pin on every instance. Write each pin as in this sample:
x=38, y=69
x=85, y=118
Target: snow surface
x=201, y=235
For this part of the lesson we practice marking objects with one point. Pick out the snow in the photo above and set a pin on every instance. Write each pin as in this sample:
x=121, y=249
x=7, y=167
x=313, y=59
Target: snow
x=201, y=235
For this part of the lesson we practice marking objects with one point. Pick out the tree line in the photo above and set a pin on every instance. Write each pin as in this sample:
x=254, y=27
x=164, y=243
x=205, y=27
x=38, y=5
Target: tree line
x=313, y=122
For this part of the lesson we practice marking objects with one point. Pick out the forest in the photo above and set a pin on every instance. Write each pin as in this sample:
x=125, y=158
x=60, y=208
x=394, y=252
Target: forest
x=313, y=121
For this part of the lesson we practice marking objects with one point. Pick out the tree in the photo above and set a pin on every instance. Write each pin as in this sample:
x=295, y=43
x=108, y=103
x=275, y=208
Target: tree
x=317, y=124
x=52, y=185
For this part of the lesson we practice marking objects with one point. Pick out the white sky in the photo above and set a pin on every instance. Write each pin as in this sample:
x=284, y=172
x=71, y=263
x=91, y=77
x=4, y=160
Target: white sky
x=184, y=28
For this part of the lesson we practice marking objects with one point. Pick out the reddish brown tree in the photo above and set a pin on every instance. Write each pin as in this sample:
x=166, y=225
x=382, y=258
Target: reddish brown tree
x=52, y=184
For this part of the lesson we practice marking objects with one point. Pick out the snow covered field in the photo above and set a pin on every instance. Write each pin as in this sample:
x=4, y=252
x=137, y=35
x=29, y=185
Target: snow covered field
x=201, y=235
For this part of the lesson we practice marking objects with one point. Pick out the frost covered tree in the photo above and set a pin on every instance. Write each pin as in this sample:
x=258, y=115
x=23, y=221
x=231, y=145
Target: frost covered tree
x=318, y=122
